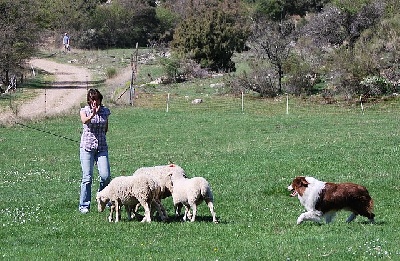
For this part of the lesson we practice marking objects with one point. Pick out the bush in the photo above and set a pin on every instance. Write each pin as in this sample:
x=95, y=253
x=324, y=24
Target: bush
x=375, y=85
x=210, y=39
x=300, y=77
x=111, y=72
x=261, y=79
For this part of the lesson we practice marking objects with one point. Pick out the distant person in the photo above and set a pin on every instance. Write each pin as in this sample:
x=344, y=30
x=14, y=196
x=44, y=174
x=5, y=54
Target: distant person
x=93, y=147
x=66, y=42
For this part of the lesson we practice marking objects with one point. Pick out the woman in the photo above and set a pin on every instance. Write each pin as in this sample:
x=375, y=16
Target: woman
x=93, y=146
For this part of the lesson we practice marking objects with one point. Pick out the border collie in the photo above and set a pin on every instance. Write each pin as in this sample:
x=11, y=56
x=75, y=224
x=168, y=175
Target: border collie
x=324, y=199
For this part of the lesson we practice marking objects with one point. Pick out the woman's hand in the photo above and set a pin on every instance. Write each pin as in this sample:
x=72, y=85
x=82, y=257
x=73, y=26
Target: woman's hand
x=95, y=107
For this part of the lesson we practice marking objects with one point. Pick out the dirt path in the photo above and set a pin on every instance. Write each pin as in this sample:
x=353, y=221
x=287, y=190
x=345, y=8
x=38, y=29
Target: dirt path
x=67, y=91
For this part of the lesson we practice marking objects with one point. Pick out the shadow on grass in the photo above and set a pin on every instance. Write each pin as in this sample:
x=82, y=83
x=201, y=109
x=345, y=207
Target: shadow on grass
x=171, y=219
x=376, y=223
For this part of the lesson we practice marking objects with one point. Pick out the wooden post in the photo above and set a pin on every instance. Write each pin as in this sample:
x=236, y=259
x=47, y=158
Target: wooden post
x=361, y=103
x=167, y=103
x=133, y=76
x=287, y=103
x=242, y=102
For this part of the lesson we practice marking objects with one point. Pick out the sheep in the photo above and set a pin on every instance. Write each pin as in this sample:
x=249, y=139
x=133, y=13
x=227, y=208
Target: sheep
x=158, y=174
x=190, y=192
x=129, y=191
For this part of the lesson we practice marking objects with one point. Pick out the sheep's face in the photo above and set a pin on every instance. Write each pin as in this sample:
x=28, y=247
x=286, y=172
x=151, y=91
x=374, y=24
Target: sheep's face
x=101, y=203
x=169, y=185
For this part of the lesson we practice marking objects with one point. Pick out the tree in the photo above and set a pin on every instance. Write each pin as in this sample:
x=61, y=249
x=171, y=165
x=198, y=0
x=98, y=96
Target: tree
x=66, y=15
x=337, y=25
x=18, y=35
x=335, y=32
x=121, y=24
x=210, y=37
x=278, y=10
x=273, y=41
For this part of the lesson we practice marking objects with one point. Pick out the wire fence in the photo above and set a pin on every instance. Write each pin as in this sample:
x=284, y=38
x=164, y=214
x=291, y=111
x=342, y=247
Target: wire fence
x=243, y=103
x=253, y=104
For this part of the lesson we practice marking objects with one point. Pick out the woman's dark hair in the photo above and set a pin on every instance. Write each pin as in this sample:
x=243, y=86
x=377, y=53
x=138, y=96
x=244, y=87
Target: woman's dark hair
x=94, y=94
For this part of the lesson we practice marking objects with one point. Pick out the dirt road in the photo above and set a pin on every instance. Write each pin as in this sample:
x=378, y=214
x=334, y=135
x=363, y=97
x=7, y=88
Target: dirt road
x=67, y=91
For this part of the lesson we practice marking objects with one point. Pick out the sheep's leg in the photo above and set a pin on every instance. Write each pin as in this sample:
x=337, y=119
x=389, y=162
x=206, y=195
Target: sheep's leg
x=128, y=209
x=211, y=207
x=117, y=211
x=194, y=207
x=189, y=214
x=177, y=207
x=161, y=210
x=153, y=209
x=133, y=212
x=137, y=207
x=146, y=205
x=112, y=209
x=185, y=215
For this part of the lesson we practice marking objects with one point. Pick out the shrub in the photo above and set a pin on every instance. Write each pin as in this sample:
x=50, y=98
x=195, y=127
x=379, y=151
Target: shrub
x=210, y=39
x=375, y=85
x=261, y=79
x=300, y=77
x=111, y=72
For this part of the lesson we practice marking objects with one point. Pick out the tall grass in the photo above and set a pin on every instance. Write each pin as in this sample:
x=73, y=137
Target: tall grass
x=248, y=158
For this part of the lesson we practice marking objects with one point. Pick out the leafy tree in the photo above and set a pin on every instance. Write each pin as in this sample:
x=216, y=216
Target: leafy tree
x=168, y=21
x=279, y=9
x=18, y=35
x=66, y=15
x=121, y=24
x=211, y=37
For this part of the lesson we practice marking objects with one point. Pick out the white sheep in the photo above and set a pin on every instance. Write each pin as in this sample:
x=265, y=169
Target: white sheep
x=159, y=174
x=129, y=191
x=190, y=192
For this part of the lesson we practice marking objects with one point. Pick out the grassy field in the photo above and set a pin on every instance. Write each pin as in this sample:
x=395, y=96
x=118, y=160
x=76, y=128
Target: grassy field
x=249, y=159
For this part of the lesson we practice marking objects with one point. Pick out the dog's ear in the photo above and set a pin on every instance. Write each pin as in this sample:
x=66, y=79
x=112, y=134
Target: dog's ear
x=304, y=183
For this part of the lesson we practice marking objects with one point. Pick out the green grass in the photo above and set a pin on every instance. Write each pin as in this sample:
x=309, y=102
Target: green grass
x=249, y=159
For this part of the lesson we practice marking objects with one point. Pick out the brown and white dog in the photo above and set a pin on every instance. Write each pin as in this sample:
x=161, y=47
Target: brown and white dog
x=324, y=199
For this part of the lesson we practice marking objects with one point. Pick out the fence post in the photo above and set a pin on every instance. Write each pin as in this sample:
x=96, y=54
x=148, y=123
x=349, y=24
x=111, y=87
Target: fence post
x=242, y=102
x=167, y=102
x=361, y=103
x=287, y=103
x=133, y=76
x=45, y=100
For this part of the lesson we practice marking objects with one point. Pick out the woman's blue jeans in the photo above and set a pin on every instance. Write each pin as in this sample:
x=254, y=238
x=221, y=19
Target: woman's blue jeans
x=88, y=159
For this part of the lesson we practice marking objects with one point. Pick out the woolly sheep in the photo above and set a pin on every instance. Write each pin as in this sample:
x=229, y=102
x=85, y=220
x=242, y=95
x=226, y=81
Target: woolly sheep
x=190, y=192
x=129, y=191
x=158, y=174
